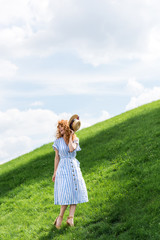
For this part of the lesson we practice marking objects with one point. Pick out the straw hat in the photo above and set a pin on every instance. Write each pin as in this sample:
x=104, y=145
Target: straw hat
x=74, y=122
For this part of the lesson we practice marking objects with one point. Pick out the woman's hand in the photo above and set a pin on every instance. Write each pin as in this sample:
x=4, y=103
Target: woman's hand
x=72, y=145
x=72, y=133
x=53, y=178
x=71, y=137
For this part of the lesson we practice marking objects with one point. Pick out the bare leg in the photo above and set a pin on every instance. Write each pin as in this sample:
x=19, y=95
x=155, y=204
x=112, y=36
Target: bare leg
x=71, y=214
x=72, y=209
x=62, y=210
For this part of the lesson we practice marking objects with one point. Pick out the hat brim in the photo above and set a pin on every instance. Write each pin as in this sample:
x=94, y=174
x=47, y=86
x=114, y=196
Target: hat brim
x=77, y=126
x=75, y=116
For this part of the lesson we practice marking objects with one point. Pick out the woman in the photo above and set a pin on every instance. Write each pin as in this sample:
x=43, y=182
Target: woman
x=69, y=186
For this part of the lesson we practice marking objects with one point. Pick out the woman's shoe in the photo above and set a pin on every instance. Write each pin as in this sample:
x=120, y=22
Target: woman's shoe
x=70, y=223
x=55, y=222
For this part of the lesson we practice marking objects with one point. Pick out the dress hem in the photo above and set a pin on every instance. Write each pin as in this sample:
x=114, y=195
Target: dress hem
x=70, y=203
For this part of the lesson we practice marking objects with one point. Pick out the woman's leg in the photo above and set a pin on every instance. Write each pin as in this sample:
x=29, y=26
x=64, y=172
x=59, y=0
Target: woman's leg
x=62, y=210
x=71, y=214
x=72, y=209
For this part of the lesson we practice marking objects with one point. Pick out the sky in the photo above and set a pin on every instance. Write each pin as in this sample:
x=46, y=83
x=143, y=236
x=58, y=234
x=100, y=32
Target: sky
x=94, y=58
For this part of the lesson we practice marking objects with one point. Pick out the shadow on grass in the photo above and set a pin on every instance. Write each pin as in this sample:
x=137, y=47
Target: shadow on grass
x=54, y=233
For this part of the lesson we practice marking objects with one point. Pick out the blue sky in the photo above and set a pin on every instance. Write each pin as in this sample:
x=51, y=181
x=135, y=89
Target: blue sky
x=93, y=58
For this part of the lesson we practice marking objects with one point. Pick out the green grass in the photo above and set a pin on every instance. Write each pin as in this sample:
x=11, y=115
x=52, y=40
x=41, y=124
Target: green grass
x=120, y=162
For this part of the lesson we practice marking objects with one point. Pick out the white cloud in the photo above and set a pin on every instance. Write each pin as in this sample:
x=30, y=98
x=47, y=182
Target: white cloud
x=142, y=95
x=23, y=131
x=20, y=20
x=11, y=147
x=153, y=45
x=109, y=31
x=7, y=69
x=106, y=32
x=88, y=120
x=133, y=87
x=59, y=84
x=80, y=83
x=11, y=39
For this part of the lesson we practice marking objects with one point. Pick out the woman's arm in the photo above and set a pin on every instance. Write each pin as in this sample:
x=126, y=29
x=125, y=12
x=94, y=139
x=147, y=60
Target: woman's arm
x=72, y=145
x=56, y=160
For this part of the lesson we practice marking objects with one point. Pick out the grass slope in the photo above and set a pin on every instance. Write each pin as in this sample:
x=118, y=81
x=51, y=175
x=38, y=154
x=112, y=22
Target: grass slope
x=120, y=162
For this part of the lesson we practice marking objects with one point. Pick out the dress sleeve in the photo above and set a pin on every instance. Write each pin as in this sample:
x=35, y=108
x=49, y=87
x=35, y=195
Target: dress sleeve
x=55, y=144
x=78, y=147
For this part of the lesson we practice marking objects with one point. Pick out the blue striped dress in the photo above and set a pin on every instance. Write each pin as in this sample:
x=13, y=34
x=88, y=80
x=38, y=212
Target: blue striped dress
x=69, y=185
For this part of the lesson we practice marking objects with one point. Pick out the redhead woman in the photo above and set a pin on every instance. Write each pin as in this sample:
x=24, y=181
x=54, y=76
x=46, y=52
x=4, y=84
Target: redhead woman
x=69, y=185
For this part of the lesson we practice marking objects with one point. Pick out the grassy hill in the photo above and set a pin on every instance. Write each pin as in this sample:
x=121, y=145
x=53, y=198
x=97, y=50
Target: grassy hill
x=120, y=162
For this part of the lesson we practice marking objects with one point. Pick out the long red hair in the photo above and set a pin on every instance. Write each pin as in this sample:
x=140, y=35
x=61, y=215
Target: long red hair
x=65, y=125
